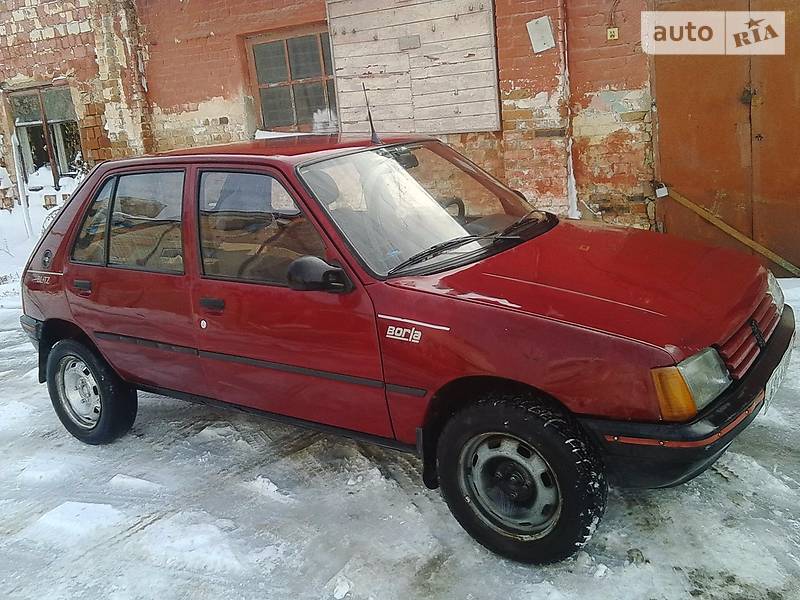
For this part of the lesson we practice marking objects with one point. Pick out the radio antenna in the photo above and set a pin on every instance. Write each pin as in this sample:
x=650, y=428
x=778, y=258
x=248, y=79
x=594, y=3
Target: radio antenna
x=374, y=135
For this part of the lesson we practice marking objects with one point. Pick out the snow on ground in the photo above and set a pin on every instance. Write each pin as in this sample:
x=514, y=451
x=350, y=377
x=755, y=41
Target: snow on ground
x=16, y=245
x=206, y=504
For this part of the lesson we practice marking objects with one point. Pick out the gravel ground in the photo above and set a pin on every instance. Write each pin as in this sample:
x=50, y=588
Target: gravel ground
x=205, y=504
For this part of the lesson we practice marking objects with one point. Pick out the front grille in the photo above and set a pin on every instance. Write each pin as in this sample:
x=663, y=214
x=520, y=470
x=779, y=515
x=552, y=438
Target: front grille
x=741, y=349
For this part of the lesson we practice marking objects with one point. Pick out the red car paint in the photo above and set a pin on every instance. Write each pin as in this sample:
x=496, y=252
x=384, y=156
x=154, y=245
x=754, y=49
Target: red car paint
x=580, y=312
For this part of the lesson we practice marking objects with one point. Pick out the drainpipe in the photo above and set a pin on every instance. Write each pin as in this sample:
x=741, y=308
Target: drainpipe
x=572, y=189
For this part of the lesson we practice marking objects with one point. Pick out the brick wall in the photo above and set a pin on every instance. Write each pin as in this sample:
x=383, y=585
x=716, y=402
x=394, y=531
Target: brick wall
x=197, y=67
x=89, y=47
x=533, y=110
x=611, y=107
x=606, y=107
x=155, y=76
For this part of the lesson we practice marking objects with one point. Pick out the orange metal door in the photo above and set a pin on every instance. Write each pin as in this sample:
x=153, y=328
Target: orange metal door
x=727, y=141
x=776, y=141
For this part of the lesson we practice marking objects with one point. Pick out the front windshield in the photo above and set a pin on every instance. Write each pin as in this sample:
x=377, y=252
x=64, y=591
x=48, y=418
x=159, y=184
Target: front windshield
x=395, y=202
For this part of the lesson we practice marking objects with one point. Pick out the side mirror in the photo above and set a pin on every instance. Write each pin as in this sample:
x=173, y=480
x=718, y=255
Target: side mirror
x=312, y=274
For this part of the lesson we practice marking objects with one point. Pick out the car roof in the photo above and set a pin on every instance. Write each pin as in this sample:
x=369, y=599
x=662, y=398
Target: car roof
x=294, y=148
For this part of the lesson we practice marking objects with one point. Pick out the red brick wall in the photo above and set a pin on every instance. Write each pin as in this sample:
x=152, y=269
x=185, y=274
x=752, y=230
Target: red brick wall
x=197, y=54
x=532, y=109
x=196, y=49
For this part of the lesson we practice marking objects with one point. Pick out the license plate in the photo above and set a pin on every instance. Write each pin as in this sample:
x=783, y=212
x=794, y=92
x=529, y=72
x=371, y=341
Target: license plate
x=776, y=379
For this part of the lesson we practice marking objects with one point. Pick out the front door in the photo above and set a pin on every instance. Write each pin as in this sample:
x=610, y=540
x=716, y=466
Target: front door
x=308, y=355
x=129, y=290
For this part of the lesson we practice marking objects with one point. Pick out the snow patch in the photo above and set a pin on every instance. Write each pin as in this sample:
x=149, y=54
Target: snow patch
x=269, y=558
x=266, y=488
x=190, y=541
x=5, y=179
x=342, y=587
x=15, y=247
x=13, y=414
x=261, y=134
x=134, y=483
x=73, y=521
x=600, y=571
x=50, y=468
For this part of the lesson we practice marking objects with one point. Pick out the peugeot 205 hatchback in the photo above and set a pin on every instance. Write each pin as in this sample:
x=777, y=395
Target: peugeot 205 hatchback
x=395, y=292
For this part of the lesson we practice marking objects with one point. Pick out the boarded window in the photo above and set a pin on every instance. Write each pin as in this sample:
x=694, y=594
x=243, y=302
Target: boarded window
x=429, y=66
x=251, y=228
x=146, y=222
x=90, y=245
x=294, y=82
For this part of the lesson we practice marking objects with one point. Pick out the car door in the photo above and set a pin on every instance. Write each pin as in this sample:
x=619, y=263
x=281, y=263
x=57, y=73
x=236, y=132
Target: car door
x=126, y=283
x=310, y=355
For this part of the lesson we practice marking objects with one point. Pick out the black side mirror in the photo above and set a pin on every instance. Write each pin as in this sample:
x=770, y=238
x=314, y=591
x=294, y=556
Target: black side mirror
x=312, y=274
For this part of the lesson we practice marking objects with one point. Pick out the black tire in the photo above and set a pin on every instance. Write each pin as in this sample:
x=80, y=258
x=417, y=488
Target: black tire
x=116, y=401
x=482, y=493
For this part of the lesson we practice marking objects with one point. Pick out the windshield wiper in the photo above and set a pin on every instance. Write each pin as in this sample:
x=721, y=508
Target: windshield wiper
x=441, y=247
x=523, y=220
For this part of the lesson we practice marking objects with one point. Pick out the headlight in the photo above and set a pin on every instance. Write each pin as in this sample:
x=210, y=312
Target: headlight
x=691, y=385
x=774, y=290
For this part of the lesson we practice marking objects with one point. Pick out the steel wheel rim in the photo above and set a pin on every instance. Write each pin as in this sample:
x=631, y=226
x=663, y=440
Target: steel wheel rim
x=78, y=392
x=509, y=485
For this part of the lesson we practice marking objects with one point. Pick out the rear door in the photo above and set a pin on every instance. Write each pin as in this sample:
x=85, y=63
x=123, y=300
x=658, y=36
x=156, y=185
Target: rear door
x=129, y=290
x=308, y=355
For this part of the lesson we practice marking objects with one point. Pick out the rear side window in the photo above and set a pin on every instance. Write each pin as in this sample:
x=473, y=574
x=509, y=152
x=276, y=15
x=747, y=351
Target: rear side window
x=251, y=228
x=146, y=222
x=90, y=246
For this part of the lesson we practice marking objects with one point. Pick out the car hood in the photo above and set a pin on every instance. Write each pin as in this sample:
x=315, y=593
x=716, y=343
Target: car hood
x=672, y=293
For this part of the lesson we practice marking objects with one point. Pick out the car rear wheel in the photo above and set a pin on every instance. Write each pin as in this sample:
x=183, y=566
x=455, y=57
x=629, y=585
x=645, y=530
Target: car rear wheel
x=90, y=399
x=521, y=477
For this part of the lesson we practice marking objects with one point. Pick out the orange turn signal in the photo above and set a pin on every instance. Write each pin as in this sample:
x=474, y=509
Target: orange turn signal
x=674, y=396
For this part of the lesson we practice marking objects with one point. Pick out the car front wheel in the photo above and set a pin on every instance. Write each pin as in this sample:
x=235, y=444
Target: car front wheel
x=521, y=477
x=90, y=399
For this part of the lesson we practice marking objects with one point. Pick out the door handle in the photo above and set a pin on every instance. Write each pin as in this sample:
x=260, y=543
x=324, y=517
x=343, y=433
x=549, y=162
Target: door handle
x=83, y=285
x=217, y=304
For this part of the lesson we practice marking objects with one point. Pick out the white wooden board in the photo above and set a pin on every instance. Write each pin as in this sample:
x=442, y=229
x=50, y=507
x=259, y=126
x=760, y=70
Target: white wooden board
x=447, y=83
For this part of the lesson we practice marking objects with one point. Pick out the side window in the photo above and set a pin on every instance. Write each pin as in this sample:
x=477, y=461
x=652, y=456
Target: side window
x=251, y=228
x=146, y=222
x=90, y=245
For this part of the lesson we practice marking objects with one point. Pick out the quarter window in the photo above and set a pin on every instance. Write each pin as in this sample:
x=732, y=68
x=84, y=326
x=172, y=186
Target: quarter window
x=294, y=81
x=251, y=228
x=90, y=246
x=146, y=222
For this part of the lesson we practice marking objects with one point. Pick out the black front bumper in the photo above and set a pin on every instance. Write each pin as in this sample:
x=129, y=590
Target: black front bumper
x=655, y=455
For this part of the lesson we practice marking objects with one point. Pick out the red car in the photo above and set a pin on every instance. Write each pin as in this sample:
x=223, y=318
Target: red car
x=396, y=293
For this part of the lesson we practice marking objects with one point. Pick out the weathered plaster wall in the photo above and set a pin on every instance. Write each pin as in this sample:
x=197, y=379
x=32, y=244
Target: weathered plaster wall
x=611, y=107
